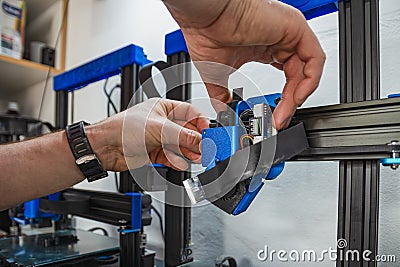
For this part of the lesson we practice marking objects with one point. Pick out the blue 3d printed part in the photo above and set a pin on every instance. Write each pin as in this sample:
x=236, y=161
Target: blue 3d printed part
x=220, y=143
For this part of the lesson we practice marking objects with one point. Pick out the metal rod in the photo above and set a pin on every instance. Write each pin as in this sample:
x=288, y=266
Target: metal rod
x=129, y=85
x=352, y=124
x=178, y=219
x=61, y=109
x=359, y=81
x=130, y=243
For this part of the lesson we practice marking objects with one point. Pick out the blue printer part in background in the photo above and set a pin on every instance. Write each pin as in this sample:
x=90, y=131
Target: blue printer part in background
x=313, y=8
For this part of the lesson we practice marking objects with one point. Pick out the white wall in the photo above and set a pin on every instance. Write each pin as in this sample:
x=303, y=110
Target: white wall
x=296, y=211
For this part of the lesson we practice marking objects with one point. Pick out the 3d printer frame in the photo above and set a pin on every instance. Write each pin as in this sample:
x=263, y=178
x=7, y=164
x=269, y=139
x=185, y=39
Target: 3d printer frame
x=359, y=161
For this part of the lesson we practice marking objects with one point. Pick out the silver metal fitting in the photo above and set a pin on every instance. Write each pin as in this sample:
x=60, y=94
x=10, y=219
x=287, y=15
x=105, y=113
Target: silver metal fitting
x=395, y=153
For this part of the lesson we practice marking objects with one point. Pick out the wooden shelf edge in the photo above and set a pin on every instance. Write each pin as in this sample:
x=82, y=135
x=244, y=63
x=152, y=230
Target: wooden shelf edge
x=29, y=64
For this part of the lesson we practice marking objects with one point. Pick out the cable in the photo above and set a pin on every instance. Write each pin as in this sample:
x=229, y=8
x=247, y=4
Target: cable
x=160, y=220
x=245, y=119
x=246, y=136
x=116, y=181
x=99, y=228
x=49, y=70
x=109, y=100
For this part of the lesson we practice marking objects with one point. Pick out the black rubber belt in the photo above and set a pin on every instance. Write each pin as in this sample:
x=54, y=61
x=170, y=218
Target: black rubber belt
x=146, y=79
x=289, y=143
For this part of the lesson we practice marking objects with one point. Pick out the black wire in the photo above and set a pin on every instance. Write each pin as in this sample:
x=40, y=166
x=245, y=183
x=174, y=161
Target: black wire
x=160, y=220
x=109, y=100
x=116, y=181
x=49, y=70
x=99, y=228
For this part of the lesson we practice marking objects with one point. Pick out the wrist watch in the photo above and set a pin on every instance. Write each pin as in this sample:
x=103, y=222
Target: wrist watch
x=85, y=158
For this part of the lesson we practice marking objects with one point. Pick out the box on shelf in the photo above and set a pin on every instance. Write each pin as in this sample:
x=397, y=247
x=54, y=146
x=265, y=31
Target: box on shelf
x=12, y=27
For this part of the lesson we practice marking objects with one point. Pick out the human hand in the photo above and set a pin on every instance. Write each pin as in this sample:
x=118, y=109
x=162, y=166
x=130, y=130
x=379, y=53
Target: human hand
x=155, y=131
x=234, y=32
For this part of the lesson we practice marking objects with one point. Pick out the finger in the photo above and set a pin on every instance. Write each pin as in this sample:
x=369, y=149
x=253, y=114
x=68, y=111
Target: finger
x=314, y=63
x=281, y=56
x=187, y=153
x=170, y=159
x=192, y=126
x=312, y=72
x=215, y=76
x=188, y=125
x=174, y=134
x=182, y=111
x=287, y=106
x=277, y=66
x=219, y=96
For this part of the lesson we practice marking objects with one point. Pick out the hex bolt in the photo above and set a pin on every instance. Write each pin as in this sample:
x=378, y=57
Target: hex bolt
x=122, y=221
x=395, y=153
x=123, y=224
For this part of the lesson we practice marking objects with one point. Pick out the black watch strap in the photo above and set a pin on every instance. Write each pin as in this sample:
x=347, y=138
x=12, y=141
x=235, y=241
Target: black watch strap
x=85, y=158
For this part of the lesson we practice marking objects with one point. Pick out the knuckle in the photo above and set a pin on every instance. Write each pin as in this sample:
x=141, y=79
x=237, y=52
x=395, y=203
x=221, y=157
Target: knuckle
x=191, y=137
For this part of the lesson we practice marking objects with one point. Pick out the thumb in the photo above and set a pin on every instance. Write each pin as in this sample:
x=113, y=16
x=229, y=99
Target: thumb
x=219, y=96
x=215, y=76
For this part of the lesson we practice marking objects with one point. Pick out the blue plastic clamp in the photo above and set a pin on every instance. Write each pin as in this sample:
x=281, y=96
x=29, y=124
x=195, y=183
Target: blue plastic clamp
x=314, y=8
x=136, y=223
x=393, y=95
x=101, y=68
x=175, y=43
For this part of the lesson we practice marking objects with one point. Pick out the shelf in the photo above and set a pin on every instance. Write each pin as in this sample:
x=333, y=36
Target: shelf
x=37, y=7
x=18, y=74
x=45, y=18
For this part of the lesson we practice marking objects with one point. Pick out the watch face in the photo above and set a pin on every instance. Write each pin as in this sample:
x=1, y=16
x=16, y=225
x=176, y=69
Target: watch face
x=86, y=159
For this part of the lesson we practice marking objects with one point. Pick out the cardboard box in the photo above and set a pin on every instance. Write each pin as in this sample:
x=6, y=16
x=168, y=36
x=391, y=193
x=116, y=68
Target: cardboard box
x=12, y=27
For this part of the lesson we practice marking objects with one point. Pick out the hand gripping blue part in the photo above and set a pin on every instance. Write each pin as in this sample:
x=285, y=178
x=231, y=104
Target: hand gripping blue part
x=221, y=143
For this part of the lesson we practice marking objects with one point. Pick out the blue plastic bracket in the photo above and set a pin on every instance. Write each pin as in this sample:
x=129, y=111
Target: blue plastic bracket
x=313, y=8
x=101, y=68
x=32, y=210
x=175, y=43
x=136, y=223
x=390, y=161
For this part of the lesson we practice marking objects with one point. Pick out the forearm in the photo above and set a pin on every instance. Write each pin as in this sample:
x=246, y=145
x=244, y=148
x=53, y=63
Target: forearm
x=40, y=166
